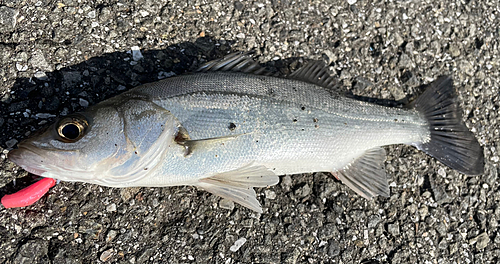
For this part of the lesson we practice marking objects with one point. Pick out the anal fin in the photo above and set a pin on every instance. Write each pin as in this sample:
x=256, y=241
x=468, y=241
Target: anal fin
x=366, y=175
x=237, y=185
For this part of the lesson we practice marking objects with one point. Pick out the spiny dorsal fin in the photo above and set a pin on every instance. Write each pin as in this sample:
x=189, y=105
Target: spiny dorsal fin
x=315, y=72
x=366, y=175
x=237, y=185
x=235, y=62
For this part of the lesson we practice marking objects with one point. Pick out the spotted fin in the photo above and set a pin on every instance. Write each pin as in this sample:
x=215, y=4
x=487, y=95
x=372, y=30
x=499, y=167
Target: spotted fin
x=237, y=185
x=366, y=175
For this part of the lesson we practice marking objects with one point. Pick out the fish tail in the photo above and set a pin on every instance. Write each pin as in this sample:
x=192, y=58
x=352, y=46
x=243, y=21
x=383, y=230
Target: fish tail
x=450, y=142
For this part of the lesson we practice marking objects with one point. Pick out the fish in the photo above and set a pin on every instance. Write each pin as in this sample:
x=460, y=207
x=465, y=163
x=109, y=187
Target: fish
x=233, y=126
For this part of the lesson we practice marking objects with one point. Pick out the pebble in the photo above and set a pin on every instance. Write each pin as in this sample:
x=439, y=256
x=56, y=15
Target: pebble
x=226, y=204
x=84, y=103
x=394, y=229
x=11, y=143
x=481, y=241
x=238, y=244
x=270, y=194
x=136, y=53
x=106, y=255
x=111, y=207
x=8, y=19
x=351, y=2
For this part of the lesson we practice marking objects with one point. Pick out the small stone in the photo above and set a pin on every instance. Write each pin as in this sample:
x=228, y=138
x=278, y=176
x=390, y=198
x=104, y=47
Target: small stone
x=351, y=2
x=38, y=61
x=226, y=204
x=84, y=103
x=11, y=143
x=454, y=50
x=238, y=6
x=106, y=255
x=238, y=244
x=136, y=53
x=240, y=35
x=40, y=75
x=21, y=67
x=333, y=248
x=270, y=194
x=127, y=193
x=71, y=78
x=44, y=115
x=404, y=61
x=111, y=207
x=304, y=191
x=466, y=67
x=394, y=229
x=8, y=19
x=481, y=241
x=91, y=14
x=442, y=172
x=329, y=56
x=286, y=182
x=398, y=40
x=111, y=235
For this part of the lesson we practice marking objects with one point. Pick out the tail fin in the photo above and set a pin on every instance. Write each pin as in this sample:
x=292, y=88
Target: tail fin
x=451, y=142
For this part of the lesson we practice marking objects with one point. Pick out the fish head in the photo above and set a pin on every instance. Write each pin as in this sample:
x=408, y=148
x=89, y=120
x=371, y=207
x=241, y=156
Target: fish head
x=76, y=147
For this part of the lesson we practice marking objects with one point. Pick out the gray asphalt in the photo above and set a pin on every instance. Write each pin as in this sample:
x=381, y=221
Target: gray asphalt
x=58, y=57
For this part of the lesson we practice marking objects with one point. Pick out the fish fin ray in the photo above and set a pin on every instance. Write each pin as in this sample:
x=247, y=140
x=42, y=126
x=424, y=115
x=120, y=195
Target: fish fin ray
x=235, y=62
x=366, y=175
x=237, y=185
x=191, y=144
x=450, y=142
x=315, y=72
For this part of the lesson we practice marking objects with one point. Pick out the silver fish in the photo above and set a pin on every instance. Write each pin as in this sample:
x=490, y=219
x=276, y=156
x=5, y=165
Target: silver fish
x=230, y=127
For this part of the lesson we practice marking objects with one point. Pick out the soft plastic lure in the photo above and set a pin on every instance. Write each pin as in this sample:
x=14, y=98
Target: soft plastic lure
x=28, y=195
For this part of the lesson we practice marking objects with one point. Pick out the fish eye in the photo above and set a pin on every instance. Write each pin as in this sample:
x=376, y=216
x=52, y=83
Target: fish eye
x=72, y=128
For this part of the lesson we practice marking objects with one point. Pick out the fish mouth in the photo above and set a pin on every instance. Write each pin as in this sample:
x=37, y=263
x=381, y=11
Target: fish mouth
x=27, y=159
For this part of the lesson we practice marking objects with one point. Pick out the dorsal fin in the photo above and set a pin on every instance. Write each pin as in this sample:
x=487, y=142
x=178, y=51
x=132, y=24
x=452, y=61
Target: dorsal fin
x=315, y=72
x=235, y=62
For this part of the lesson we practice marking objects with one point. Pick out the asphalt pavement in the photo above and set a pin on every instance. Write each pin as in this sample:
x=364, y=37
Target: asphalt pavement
x=59, y=57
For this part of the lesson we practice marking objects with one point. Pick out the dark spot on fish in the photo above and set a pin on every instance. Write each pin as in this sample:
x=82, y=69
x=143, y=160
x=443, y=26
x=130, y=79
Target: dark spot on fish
x=303, y=108
x=295, y=120
x=316, y=126
x=315, y=120
x=216, y=156
x=145, y=168
x=232, y=126
x=248, y=177
x=116, y=145
x=345, y=124
x=396, y=120
x=303, y=129
x=256, y=141
x=135, y=152
x=274, y=168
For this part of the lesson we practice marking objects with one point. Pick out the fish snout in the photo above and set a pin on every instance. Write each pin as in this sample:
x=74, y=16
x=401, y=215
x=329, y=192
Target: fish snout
x=26, y=159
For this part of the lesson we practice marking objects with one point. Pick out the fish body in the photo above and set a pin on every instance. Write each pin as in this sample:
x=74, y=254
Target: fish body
x=231, y=128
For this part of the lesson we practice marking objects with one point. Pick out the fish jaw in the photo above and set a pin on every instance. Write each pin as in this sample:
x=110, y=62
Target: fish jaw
x=28, y=160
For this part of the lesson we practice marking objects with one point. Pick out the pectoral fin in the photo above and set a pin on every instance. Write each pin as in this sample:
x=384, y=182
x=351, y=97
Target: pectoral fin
x=366, y=175
x=237, y=185
x=190, y=145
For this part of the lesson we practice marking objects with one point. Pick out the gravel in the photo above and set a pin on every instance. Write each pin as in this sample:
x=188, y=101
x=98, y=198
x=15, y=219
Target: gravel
x=58, y=57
